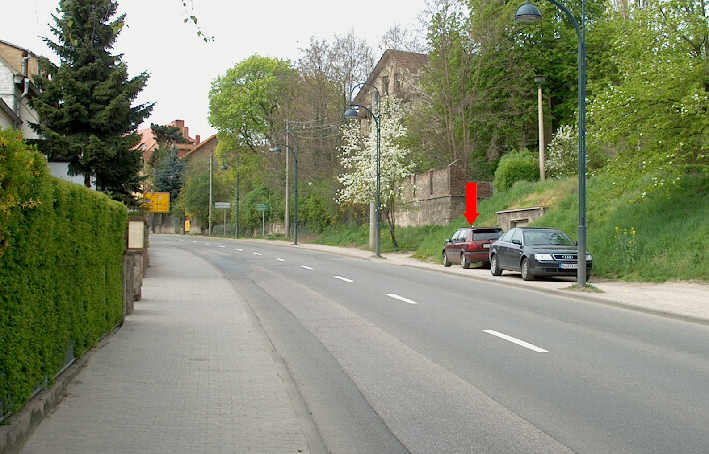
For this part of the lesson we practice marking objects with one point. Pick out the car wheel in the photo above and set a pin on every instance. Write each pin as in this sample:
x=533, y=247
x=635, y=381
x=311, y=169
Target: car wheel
x=526, y=275
x=446, y=262
x=495, y=269
x=464, y=261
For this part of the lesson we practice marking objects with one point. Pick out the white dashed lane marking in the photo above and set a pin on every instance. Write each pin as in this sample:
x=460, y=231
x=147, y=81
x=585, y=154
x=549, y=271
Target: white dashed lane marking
x=306, y=267
x=401, y=298
x=257, y=253
x=280, y=259
x=240, y=250
x=514, y=340
x=343, y=279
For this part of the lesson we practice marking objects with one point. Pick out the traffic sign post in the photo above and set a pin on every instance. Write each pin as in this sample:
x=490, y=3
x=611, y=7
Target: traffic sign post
x=157, y=202
x=223, y=206
x=262, y=207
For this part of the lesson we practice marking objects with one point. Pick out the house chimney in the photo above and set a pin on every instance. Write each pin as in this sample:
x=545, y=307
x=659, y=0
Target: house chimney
x=196, y=139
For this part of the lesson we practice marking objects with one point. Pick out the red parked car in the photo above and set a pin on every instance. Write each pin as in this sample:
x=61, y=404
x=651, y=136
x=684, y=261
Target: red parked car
x=469, y=245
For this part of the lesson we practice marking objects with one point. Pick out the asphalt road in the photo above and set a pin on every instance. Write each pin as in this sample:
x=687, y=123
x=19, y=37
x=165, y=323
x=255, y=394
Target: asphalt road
x=398, y=359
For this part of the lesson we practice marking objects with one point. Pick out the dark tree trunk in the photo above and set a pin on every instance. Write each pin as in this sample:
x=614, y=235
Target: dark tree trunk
x=391, y=223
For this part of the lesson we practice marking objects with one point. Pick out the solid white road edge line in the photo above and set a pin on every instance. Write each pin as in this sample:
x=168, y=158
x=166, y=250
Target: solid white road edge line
x=343, y=279
x=514, y=340
x=401, y=298
x=306, y=267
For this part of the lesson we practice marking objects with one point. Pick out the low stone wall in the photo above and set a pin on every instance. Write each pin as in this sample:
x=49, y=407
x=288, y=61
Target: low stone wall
x=164, y=223
x=133, y=272
x=438, y=211
x=519, y=217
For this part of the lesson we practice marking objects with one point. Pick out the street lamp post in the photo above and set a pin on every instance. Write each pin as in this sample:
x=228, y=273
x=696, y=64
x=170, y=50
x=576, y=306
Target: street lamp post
x=277, y=149
x=211, y=161
x=352, y=113
x=529, y=13
x=236, y=202
x=540, y=108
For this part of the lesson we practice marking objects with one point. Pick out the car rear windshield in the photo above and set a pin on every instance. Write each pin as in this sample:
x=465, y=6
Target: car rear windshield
x=547, y=237
x=481, y=235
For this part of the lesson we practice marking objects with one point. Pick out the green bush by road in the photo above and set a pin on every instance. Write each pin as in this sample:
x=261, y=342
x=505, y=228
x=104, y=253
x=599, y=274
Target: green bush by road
x=61, y=255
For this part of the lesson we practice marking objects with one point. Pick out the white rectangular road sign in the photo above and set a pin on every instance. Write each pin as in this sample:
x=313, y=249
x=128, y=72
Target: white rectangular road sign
x=222, y=205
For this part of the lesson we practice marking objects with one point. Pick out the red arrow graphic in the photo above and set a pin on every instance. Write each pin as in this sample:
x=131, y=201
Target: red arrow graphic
x=471, y=202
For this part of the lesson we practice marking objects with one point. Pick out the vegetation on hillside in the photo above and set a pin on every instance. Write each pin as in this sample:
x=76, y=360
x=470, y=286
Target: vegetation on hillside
x=656, y=237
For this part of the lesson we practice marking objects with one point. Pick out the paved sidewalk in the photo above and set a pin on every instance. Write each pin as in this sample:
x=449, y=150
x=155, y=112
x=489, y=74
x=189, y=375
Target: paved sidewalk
x=685, y=300
x=189, y=372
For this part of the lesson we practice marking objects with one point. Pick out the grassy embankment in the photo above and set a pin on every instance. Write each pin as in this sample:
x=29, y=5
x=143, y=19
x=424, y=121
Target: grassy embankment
x=662, y=236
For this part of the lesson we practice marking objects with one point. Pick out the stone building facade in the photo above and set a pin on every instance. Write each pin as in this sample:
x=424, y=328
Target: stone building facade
x=395, y=74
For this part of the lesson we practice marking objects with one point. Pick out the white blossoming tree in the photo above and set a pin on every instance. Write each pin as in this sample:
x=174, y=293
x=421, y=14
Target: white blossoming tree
x=358, y=156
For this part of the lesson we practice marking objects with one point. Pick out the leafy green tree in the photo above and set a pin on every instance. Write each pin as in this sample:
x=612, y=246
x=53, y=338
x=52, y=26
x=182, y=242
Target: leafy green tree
x=654, y=116
x=244, y=103
x=85, y=110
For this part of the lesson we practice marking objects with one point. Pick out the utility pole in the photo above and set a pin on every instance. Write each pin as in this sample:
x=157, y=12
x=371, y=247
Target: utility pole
x=540, y=80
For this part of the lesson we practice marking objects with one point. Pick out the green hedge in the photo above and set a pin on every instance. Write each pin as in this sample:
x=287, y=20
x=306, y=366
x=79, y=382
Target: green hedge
x=61, y=259
x=513, y=167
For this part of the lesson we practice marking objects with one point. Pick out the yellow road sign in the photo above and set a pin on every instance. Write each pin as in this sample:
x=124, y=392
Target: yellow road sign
x=187, y=225
x=157, y=202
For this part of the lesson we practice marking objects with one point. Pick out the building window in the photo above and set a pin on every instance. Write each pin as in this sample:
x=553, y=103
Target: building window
x=385, y=85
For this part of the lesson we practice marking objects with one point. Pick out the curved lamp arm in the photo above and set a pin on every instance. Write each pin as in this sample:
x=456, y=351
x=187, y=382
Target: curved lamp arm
x=571, y=17
x=367, y=84
x=369, y=111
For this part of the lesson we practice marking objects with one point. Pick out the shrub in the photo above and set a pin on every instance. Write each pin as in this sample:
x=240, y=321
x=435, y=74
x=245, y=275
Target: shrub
x=61, y=262
x=513, y=167
x=562, y=153
x=561, y=158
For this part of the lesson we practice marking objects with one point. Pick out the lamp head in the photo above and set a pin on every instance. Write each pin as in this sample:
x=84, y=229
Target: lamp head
x=351, y=113
x=224, y=167
x=528, y=14
x=539, y=80
x=276, y=149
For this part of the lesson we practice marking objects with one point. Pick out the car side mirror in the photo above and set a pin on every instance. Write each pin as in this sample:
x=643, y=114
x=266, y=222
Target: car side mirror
x=518, y=242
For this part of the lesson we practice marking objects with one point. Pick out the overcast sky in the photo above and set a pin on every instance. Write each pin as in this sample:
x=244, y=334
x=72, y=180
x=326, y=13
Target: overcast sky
x=182, y=66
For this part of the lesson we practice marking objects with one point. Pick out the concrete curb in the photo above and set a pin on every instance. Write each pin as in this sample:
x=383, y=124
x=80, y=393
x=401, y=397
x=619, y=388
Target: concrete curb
x=20, y=426
x=556, y=292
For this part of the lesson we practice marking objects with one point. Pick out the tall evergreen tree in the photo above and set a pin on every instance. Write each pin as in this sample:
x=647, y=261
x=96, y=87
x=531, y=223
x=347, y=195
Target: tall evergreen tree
x=86, y=116
x=169, y=174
